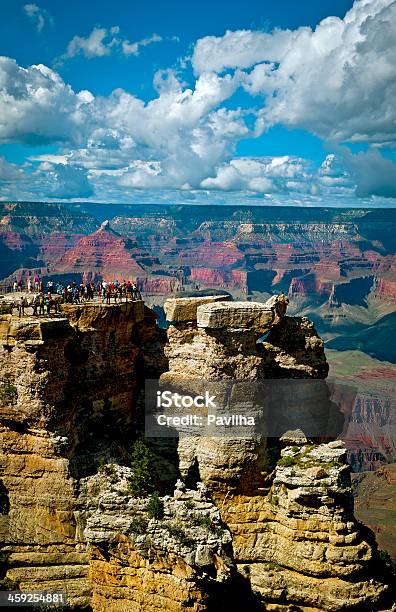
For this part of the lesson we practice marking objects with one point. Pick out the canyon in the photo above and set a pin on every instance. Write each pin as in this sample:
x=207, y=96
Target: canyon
x=321, y=256
x=336, y=265
x=263, y=522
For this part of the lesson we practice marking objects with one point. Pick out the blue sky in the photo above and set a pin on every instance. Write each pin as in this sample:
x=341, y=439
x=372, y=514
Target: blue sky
x=222, y=102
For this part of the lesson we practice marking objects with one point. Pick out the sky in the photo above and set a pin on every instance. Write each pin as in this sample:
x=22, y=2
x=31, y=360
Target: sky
x=254, y=102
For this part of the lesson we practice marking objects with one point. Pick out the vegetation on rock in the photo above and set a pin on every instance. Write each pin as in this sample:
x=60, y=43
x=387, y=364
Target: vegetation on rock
x=155, y=506
x=142, y=464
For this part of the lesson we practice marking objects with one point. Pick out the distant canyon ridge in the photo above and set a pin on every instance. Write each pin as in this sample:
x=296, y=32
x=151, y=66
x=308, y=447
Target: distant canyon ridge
x=331, y=256
x=337, y=266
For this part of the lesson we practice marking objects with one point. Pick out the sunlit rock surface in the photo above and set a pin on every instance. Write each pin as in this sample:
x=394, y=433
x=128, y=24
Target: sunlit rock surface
x=248, y=525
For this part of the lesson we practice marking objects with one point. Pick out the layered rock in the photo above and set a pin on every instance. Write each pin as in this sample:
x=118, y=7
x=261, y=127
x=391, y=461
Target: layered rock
x=294, y=535
x=68, y=392
x=185, y=309
x=182, y=559
x=244, y=529
x=199, y=355
x=103, y=253
x=208, y=277
x=301, y=544
x=245, y=315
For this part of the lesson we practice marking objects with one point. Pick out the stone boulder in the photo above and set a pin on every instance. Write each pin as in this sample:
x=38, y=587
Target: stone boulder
x=242, y=315
x=179, y=310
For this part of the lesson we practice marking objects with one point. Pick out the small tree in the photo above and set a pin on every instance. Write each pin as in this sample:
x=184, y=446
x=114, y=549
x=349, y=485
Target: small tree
x=155, y=506
x=8, y=391
x=142, y=465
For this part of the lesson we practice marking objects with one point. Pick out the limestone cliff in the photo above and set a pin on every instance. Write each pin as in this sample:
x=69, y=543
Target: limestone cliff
x=295, y=538
x=69, y=388
x=249, y=524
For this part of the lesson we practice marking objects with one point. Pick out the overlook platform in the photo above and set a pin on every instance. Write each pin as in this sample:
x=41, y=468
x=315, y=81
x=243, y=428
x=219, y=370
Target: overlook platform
x=84, y=317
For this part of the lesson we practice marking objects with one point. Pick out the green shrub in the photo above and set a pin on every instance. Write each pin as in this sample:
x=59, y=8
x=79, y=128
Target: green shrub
x=177, y=532
x=108, y=469
x=273, y=566
x=142, y=480
x=8, y=392
x=145, y=547
x=139, y=525
x=7, y=584
x=385, y=557
x=206, y=523
x=287, y=461
x=155, y=506
x=274, y=499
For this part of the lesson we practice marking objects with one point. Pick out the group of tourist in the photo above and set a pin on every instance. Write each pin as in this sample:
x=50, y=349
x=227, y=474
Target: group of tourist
x=46, y=299
x=105, y=292
x=32, y=284
x=41, y=305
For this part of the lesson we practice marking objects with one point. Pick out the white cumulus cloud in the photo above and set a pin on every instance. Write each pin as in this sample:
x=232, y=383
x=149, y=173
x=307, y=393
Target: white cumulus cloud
x=262, y=175
x=38, y=107
x=338, y=80
x=99, y=43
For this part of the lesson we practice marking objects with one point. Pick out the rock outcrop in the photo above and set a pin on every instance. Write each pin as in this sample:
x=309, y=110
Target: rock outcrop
x=185, y=309
x=294, y=535
x=248, y=525
x=301, y=543
x=68, y=393
x=245, y=315
x=182, y=560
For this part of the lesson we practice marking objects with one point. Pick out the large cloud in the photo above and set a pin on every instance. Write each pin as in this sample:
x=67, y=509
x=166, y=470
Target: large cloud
x=48, y=180
x=262, y=175
x=37, y=107
x=9, y=172
x=183, y=132
x=338, y=81
x=373, y=174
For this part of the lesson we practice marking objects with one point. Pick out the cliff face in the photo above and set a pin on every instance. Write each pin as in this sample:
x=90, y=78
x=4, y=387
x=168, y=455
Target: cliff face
x=309, y=255
x=182, y=561
x=103, y=253
x=68, y=401
x=248, y=524
x=301, y=544
x=294, y=535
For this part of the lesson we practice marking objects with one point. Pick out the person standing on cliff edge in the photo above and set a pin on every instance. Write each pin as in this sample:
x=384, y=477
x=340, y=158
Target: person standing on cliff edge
x=21, y=307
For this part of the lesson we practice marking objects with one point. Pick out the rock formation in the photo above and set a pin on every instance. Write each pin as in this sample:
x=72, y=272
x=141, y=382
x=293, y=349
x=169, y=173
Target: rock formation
x=68, y=395
x=181, y=561
x=301, y=544
x=103, y=253
x=294, y=535
x=248, y=525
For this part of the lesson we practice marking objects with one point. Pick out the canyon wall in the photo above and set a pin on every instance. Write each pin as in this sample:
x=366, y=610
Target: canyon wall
x=290, y=509
x=69, y=389
x=260, y=522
